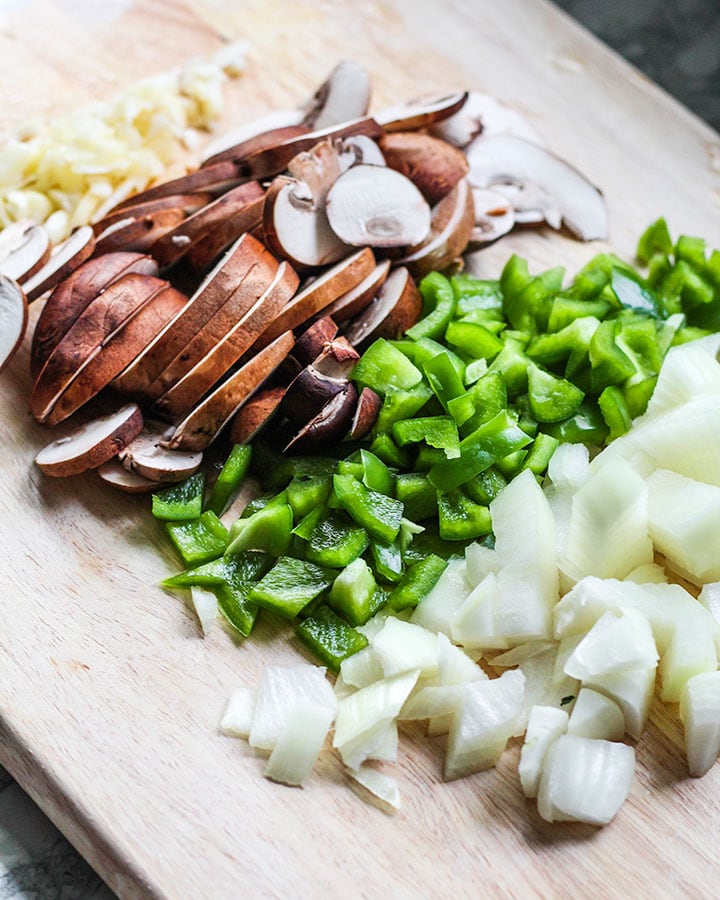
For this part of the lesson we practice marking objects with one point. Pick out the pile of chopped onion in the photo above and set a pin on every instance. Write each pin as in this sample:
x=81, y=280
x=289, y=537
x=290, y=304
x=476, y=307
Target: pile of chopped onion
x=558, y=633
x=71, y=170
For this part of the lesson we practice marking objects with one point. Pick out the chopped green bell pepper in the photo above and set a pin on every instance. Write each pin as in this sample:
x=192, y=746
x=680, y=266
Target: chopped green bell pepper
x=290, y=585
x=351, y=595
x=551, y=399
x=438, y=307
x=419, y=580
x=199, y=540
x=336, y=542
x=180, y=502
x=330, y=638
x=231, y=478
x=380, y=515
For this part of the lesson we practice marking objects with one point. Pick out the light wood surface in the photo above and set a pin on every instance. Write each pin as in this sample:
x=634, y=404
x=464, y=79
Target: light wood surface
x=109, y=699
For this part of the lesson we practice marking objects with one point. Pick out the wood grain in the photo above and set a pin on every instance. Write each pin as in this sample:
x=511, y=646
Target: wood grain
x=109, y=699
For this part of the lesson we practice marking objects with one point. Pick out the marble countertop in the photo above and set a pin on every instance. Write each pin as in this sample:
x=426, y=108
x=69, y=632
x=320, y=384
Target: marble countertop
x=677, y=44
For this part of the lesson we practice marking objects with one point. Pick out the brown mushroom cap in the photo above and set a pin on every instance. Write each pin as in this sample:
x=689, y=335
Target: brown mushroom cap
x=330, y=425
x=13, y=318
x=433, y=165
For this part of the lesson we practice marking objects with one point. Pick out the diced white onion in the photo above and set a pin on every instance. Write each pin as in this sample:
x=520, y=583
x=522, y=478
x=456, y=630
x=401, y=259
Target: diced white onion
x=544, y=727
x=205, y=604
x=299, y=743
x=700, y=715
x=238, y=716
x=437, y=608
x=381, y=786
x=596, y=716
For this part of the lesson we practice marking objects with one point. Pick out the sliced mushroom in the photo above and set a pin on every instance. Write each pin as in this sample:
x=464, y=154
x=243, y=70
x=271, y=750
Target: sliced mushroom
x=213, y=179
x=100, y=321
x=377, y=207
x=255, y=414
x=250, y=137
x=330, y=425
x=354, y=301
x=117, y=352
x=296, y=228
x=149, y=456
x=24, y=251
x=73, y=295
x=532, y=204
x=311, y=342
x=395, y=309
x=188, y=203
x=65, y=258
x=433, y=166
x=483, y=114
x=366, y=413
x=92, y=444
x=174, y=244
x=138, y=234
x=420, y=113
x=452, y=224
x=204, y=251
x=359, y=149
x=504, y=159
x=494, y=217
x=344, y=95
x=179, y=400
x=318, y=382
x=209, y=297
x=341, y=278
x=204, y=423
x=260, y=274
x=112, y=472
x=13, y=318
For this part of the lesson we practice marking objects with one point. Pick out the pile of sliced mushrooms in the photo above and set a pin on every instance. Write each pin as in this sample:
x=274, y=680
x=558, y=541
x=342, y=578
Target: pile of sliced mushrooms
x=244, y=291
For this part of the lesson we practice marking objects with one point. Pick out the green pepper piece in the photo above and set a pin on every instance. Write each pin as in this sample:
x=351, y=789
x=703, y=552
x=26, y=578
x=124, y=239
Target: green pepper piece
x=375, y=474
x=551, y=399
x=692, y=250
x=387, y=559
x=475, y=370
x=181, y=501
x=352, y=593
x=667, y=331
x=512, y=464
x=269, y=529
x=270, y=498
x=659, y=268
x=429, y=542
x=335, y=542
x=633, y=293
x=587, y=426
x=239, y=612
x=236, y=569
x=610, y=365
x=459, y=518
x=305, y=493
x=427, y=457
x=474, y=339
x=475, y=293
x=199, y=540
x=290, y=585
x=540, y=453
x=489, y=397
x=571, y=342
x=417, y=494
x=423, y=350
x=566, y=310
x=478, y=451
x=687, y=287
x=438, y=307
x=689, y=333
x=281, y=474
x=306, y=526
x=485, y=487
x=655, y=239
x=380, y=515
x=443, y=378
x=382, y=367
x=419, y=580
x=388, y=451
x=637, y=395
x=231, y=478
x=512, y=364
x=330, y=638
x=615, y=411
x=400, y=404
x=437, y=431
x=638, y=339
x=490, y=319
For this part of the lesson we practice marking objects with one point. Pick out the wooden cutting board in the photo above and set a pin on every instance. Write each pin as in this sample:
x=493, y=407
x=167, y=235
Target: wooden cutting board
x=109, y=699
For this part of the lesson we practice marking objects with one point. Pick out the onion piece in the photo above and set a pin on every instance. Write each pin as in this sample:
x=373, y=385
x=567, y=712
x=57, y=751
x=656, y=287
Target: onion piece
x=585, y=780
x=238, y=717
x=205, y=605
x=596, y=716
x=381, y=786
x=403, y=647
x=700, y=715
x=299, y=742
x=545, y=725
x=437, y=608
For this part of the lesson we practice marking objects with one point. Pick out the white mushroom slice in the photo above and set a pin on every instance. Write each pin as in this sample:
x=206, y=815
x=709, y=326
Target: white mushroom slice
x=504, y=159
x=494, y=216
x=452, y=223
x=92, y=444
x=359, y=149
x=269, y=124
x=112, y=472
x=25, y=252
x=13, y=319
x=345, y=94
x=377, y=207
x=420, y=113
x=483, y=114
x=532, y=204
x=297, y=229
x=65, y=258
x=148, y=456
x=316, y=170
